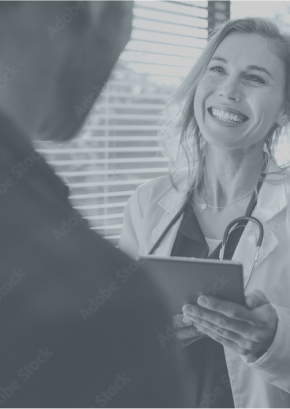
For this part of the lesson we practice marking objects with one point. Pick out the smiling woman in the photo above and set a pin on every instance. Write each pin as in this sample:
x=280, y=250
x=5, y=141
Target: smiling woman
x=231, y=85
x=266, y=50
x=220, y=132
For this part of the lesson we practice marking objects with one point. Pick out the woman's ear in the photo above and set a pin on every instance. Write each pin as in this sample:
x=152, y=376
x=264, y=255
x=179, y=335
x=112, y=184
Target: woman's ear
x=283, y=120
x=284, y=116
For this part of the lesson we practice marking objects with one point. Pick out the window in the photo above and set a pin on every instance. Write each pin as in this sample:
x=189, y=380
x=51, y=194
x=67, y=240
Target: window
x=118, y=149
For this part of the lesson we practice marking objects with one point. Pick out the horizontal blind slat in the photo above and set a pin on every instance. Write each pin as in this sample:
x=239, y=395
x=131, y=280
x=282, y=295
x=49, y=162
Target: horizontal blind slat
x=159, y=70
x=159, y=42
x=105, y=216
x=106, y=161
x=99, y=195
x=201, y=23
x=142, y=27
x=163, y=50
x=125, y=127
x=108, y=227
x=158, y=60
x=135, y=139
x=142, y=34
x=90, y=150
x=101, y=206
x=112, y=237
x=110, y=183
x=136, y=106
x=113, y=171
x=126, y=116
x=148, y=95
x=171, y=8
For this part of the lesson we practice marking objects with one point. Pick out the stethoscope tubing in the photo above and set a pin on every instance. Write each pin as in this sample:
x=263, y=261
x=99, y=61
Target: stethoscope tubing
x=240, y=220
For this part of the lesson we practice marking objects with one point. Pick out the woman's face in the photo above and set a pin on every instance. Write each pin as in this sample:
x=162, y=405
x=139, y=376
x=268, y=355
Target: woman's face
x=241, y=94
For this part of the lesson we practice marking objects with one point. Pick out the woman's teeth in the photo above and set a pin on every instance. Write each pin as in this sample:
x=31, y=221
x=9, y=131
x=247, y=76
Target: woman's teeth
x=227, y=116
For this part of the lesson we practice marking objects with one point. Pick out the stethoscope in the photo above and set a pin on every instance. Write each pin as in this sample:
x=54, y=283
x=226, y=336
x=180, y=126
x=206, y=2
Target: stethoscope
x=238, y=222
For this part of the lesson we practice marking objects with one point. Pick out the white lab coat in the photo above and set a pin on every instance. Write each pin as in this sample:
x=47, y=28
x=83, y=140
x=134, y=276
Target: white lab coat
x=266, y=381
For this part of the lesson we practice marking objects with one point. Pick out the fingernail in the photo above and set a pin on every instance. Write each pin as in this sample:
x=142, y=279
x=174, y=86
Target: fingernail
x=186, y=320
x=202, y=300
x=188, y=309
x=197, y=328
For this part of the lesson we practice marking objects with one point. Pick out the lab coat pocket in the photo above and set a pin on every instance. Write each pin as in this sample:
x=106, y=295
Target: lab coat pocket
x=284, y=395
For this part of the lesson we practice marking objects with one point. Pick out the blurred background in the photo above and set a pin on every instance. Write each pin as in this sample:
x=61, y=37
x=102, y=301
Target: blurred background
x=117, y=149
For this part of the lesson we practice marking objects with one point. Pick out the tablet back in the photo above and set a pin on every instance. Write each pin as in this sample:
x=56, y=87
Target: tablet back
x=183, y=280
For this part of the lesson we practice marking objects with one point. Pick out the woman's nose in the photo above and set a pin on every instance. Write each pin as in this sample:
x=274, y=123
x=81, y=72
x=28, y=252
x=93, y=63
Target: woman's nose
x=230, y=89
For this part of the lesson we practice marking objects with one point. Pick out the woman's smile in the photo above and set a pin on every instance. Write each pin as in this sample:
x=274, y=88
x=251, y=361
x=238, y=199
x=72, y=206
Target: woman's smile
x=227, y=117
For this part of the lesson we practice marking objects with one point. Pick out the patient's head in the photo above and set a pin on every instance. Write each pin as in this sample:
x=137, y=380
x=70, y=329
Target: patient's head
x=53, y=57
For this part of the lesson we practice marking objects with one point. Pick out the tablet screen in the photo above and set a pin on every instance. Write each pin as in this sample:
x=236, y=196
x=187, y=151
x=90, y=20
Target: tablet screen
x=183, y=280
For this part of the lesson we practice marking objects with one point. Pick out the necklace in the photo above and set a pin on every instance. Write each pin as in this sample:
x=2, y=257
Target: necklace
x=204, y=205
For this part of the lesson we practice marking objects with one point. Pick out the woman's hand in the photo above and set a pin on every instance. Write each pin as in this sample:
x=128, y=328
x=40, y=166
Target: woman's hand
x=246, y=330
x=186, y=332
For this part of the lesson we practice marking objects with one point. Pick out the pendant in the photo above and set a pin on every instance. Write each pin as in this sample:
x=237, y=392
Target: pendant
x=203, y=206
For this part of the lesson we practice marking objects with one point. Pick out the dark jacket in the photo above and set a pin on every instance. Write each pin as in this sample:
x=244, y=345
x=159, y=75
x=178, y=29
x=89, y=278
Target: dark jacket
x=76, y=329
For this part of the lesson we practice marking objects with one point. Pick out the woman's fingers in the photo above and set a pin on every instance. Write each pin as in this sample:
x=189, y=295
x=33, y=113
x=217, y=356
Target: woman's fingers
x=256, y=298
x=180, y=321
x=245, y=349
x=238, y=339
x=227, y=308
x=265, y=316
x=219, y=320
x=188, y=332
x=185, y=330
x=185, y=342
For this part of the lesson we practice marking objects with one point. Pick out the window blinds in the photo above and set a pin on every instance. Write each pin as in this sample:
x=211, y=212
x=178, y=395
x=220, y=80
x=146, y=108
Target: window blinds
x=117, y=149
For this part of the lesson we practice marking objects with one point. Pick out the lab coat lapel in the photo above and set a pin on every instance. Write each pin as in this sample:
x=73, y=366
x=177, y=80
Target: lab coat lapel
x=165, y=247
x=171, y=203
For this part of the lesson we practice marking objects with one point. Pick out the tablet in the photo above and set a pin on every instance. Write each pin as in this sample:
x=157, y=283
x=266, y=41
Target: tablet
x=183, y=280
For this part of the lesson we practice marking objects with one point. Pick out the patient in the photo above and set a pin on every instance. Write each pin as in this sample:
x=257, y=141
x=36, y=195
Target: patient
x=72, y=334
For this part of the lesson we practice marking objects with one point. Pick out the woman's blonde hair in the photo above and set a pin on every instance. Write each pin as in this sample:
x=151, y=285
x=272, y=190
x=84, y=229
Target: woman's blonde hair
x=181, y=138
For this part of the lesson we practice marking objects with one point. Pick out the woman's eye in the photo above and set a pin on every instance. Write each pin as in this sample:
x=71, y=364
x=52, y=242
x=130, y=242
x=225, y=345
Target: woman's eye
x=254, y=78
x=217, y=69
